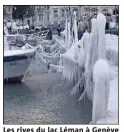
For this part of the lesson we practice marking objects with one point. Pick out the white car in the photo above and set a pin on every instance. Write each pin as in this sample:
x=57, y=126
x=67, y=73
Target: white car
x=38, y=27
x=23, y=27
x=19, y=27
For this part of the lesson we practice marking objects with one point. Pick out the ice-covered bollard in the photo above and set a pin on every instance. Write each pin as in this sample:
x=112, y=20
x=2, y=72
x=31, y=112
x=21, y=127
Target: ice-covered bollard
x=75, y=28
x=100, y=90
x=91, y=58
x=101, y=22
x=86, y=44
x=69, y=37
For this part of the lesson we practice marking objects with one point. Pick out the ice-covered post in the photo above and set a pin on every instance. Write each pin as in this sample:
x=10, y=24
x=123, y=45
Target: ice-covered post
x=84, y=42
x=90, y=60
x=101, y=22
x=66, y=31
x=69, y=37
x=100, y=75
x=75, y=28
x=100, y=90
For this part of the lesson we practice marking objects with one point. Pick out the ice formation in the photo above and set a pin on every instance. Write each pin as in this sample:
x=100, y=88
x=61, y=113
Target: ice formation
x=80, y=57
x=66, y=31
x=101, y=22
x=100, y=90
x=69, y=59
x=77, y=50
x=91, y=58
x=112, y=114
x=75, y=28
x=85, y=44
x=69, y=37
x=87, y=66
x=69, y=68
x=112, y=48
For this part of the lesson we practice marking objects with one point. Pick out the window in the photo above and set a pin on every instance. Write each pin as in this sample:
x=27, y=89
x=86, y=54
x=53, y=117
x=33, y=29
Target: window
x=86, y=9
x=9, y=9
x=55, y=13
x=48, y=16
x=38, y=9
x=47, y=7
x=67, y=13
x=56, y=22
x=93, y=10
x=86, y=13
x=41, y=17
x=62, y=10
x=105, y=10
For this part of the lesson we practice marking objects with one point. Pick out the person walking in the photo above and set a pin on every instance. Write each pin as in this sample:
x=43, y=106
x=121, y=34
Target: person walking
x=50, y=33
x=80, y=29
x=59, y=30
x=9, y=26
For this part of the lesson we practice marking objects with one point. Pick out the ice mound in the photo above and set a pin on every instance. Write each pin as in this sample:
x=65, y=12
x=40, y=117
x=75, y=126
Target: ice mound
x=100, y=90
x=112, y=114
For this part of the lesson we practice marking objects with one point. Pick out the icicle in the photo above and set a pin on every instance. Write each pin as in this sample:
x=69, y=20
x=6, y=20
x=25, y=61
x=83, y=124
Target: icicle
x=69, y=66
x=82, y=97
x=76, y=87
x=79, y=54
x=69, y=37
x=75, y=28
x=66, y=31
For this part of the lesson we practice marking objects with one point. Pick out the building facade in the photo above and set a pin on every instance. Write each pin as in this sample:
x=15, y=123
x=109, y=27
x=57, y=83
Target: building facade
x=58, y=14
x=47, y=15
x=7, y=12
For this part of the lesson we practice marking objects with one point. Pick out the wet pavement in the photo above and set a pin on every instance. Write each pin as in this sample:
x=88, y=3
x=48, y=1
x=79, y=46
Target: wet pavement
x=43, y=99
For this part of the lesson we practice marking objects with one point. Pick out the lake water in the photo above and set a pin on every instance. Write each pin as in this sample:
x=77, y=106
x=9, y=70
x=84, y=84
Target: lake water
x=43, y=99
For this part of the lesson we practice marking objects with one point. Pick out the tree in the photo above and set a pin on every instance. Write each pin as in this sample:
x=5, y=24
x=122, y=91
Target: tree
x=116, y=11
x=21, y=11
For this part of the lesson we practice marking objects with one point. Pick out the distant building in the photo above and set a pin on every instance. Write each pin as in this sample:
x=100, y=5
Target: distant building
x=7, y=13
x=46, y=15
x=57, y=14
